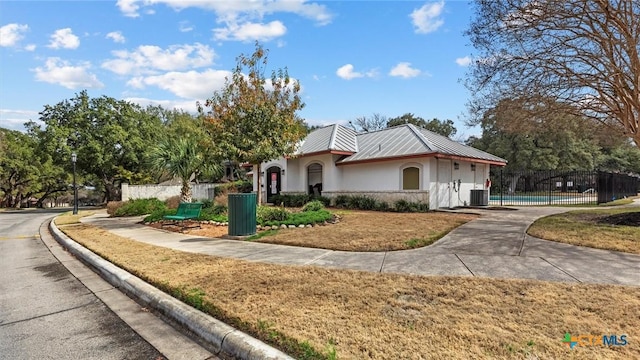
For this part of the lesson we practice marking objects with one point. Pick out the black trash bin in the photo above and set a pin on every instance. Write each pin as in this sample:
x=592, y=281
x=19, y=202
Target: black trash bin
x=242, y=214
x=479, y=197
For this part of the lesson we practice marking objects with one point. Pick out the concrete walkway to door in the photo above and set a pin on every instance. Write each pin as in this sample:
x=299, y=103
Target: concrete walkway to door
x=495, y=245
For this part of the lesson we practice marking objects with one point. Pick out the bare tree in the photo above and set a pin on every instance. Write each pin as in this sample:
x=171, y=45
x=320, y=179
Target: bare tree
x=583, y=53
x=367, y=124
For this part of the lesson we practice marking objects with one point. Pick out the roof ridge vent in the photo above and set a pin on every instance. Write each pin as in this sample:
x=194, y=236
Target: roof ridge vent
x=421, y=137
x=332, y=140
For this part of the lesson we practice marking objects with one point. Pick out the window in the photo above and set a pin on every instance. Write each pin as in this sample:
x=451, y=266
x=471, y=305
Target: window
x=411, y=178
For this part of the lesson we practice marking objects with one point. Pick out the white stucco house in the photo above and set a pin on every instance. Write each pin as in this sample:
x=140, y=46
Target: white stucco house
x=402, y=162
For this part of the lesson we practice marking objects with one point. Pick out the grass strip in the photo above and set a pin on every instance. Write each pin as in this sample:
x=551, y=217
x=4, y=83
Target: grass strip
x=312, y=312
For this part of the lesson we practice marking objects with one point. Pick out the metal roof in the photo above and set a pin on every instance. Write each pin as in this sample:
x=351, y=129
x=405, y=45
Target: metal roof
x=329, y=138
x=408, y=140
x=398, y=141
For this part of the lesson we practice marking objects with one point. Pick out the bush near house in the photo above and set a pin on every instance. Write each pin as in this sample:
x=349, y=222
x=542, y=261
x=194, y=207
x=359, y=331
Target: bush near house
x=139, y=207
x=314, y=205
x=298, y=200
x=361, y=202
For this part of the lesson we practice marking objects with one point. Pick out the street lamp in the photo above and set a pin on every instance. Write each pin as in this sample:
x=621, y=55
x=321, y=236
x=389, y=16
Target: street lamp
x=74, y=158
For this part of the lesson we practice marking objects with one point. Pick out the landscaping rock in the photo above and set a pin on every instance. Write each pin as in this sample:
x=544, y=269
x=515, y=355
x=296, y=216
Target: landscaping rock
x=309, y=226
x=292, y=226
x=274, y=227
x=283, y=226
x=301, y=226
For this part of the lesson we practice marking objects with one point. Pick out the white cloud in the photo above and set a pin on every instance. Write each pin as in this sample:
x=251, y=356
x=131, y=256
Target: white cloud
x=64, y=38
x=404, y=70
x=464, y=61
x=347, y=72
x=116, y=36
x=186, y=105
x=147, y=59
x=188, y=85
x=250, y=31
x=30, y=47
x=58, y=71
x=226, y=10
x=15, y=119
x=427, y=18
x=10, y=34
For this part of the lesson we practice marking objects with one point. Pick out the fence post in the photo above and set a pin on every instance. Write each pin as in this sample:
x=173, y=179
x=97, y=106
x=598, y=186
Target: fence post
x=501, y=188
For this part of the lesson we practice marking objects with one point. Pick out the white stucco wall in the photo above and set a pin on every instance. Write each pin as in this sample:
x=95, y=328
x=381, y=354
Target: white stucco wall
x=163, y=192
x=444, y=194
x=384, y=179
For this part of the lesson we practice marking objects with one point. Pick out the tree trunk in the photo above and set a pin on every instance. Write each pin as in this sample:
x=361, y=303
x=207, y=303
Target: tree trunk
x=185, y=192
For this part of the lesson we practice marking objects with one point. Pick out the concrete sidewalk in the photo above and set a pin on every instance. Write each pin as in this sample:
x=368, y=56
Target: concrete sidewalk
x=495, y=245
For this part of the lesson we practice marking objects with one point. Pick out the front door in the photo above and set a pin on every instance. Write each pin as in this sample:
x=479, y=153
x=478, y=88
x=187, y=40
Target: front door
x=273, y=183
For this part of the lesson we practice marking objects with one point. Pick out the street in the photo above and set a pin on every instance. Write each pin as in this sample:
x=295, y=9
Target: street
x=45, y=311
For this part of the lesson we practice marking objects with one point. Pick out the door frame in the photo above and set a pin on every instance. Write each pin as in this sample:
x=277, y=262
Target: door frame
x=271, y=171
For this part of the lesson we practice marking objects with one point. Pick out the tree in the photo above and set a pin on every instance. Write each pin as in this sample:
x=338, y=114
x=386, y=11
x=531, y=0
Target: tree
x=537, y=142
x=253, y=119
x=184, y=158
x=583, y=53
x=27, y=171
x=442, y=127
x=367, y=124
x=111, y=137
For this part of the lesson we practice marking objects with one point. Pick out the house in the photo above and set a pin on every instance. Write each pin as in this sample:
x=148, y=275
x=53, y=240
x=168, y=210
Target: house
x=402, y=162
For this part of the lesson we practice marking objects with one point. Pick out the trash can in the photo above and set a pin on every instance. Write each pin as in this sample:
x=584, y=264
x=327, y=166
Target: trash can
x=479, y=197
x=242, y=214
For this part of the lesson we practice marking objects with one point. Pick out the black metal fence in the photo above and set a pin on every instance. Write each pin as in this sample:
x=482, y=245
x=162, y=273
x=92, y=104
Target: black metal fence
x=552, y=187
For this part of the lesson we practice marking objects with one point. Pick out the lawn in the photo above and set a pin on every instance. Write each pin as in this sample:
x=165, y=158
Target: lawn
x=609, y=229
x=362, y=231
x=316, y=313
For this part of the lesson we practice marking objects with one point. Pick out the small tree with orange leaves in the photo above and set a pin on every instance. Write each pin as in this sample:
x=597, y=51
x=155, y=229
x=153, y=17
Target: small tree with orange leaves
x=253, y=119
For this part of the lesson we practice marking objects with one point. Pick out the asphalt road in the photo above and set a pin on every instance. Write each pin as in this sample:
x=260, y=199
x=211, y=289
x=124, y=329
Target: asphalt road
x=46, y=312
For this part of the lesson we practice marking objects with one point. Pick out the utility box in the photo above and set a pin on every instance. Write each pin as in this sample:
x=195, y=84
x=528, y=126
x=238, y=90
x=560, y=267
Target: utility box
x=479, y=197
x=242, y=214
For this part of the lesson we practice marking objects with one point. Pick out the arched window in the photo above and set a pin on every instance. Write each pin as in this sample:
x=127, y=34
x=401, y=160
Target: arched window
x=411, y=178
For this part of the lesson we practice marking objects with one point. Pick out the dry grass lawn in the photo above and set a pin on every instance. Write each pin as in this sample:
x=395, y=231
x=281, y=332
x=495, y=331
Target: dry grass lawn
x=373, y=231
x=361, y=231
x=363, y=315
x=591, y=228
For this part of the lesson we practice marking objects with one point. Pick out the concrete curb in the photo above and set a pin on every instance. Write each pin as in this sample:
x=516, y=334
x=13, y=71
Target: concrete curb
x=220, y=336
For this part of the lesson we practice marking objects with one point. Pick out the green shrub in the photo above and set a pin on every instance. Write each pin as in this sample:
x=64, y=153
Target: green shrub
x=403, y=205
x=341, y=201
x=206, y=203
x=272, y=213
x=314, y=205
x=303, y=218
x=323, y=199
x=138, y=207
x=158, y=214
x=381, y=206
x=291, y=200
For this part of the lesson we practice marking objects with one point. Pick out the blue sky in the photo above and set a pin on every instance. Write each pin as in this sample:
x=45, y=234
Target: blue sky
x=352, y=58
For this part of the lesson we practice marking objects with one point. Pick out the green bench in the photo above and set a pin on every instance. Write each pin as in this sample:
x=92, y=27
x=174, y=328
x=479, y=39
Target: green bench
x=186, y=211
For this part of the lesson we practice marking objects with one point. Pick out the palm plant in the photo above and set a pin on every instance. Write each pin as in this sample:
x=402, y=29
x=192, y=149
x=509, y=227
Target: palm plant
x=183, y=158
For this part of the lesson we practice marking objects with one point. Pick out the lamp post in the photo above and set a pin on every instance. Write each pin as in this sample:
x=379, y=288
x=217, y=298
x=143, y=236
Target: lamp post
x=74, y=158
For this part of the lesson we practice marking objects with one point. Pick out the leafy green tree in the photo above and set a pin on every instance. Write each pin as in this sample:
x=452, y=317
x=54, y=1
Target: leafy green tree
x=530, y=138
x=442, y=127
x=183, y=158
x=112, y=139
x=18, y=170
x=253, y=119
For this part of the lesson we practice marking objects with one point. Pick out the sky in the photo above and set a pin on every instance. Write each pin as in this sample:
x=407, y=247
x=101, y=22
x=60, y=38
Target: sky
x=352, y=58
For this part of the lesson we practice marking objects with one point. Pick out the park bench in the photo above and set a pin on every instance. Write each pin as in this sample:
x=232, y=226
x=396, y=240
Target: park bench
x=186, y=211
